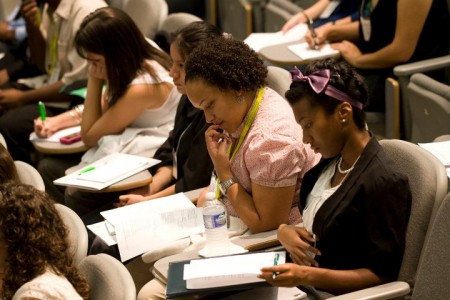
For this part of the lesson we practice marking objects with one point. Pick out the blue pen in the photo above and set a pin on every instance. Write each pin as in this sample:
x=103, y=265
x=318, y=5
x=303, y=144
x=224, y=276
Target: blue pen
x=275, y=262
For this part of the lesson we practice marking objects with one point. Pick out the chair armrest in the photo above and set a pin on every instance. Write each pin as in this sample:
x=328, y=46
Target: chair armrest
x=422, y=66
x=385, y=291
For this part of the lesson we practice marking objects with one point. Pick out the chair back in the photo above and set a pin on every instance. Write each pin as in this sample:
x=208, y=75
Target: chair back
x=432, y=281
x=236, y=17
x=172, y=23
x=147, y=14
x=277, y=13
x=428, y=181
x=430, y=109
x=78, y=235
x=108, y=278
x=278, y=79
x=2, y=141
x=29, y=175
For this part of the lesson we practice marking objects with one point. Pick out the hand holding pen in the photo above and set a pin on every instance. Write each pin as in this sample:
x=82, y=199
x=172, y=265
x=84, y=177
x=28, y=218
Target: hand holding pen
x=310, y=24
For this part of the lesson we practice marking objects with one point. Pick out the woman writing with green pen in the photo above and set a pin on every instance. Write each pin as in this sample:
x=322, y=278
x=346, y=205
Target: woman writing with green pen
x=130, y=102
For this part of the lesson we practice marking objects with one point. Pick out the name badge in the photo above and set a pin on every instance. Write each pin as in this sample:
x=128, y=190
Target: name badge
x=366, y=28
x=175, y=164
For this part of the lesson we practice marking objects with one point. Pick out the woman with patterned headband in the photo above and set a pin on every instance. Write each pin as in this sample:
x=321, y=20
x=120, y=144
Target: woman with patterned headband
x=355, y=206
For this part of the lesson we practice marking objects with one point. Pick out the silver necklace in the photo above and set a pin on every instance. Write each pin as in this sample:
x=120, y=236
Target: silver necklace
x=345, y=171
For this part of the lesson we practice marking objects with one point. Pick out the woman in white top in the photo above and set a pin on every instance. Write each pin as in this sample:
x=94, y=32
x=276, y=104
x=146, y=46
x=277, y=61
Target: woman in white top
x=34, y=259
x=131, y=101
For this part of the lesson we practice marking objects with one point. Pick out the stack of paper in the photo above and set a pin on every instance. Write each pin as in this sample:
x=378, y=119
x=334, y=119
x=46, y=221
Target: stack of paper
x=441, y=150
x=149, y=225
x=228, y=270
x=107, y=171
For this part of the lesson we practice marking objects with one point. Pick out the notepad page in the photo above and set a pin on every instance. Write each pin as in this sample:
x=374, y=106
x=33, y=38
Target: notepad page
x=111, y=169
x=305, y=52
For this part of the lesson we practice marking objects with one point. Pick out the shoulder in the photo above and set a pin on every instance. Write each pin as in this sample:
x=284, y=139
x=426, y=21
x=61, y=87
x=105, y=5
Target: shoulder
x=47, y=286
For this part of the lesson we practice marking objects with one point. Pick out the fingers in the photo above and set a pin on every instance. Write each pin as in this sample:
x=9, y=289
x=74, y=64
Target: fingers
x=123, y=200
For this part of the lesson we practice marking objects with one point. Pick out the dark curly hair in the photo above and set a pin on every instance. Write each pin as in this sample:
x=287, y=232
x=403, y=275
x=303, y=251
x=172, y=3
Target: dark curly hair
x=110, y=32
x=344, y=77
x=35, y=238
x=8, y=171
x=227, y=64
x=189, y=37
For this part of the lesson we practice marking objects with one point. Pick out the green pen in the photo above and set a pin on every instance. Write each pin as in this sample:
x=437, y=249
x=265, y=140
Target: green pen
x=275, y=262
x=42, y=112
x=86, y=170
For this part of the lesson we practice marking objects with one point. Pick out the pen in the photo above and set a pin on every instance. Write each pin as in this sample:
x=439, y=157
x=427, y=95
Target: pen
x=42, y=113
x=86, y=170
x=275, y=262
x=313, y=32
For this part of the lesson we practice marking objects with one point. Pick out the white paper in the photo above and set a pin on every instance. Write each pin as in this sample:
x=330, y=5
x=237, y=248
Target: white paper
x=108, y=170
x=258, y=40
x=228, y=270
x=305, y=52
x=439, y=149
x=100, y=230
x=57, y=135
x=147, y=225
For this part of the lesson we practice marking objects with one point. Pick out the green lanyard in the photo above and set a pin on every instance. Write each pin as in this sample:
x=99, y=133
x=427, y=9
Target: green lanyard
x=247, y=125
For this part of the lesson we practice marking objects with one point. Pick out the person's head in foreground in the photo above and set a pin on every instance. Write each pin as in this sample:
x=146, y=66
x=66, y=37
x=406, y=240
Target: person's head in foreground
x=34, y=243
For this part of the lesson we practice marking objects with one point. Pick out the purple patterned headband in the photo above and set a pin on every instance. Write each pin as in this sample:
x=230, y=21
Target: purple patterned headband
x=319, y=83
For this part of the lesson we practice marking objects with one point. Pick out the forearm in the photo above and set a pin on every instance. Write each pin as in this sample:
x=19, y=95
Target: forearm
x=92, y=110
x=37, y=46
x=165, y=192
x=340, y=281
x=346, y=31
x=161, y=179
x=67, y=119
x=47, y=93
x=386, y=57
x=245, y=208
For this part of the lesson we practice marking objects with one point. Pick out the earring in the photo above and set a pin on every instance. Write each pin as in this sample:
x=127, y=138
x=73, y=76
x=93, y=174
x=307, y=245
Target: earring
x=343, y=120
x=240, y=98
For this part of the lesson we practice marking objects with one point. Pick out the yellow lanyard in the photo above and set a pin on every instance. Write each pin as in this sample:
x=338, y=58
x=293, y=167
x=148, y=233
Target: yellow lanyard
x=247, y=125
x=53, y=48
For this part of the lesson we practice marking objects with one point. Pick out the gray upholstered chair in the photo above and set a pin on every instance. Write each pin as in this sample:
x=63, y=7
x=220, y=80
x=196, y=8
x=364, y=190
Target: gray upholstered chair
x=278, y=79
x=428, y=181
x=2, y=141
x=108, y=278
x=277, y=13
x=432, y=281
x=429, y=108
x=78, y=235
x=29, y=175
x=172, y=23
x=147, y=14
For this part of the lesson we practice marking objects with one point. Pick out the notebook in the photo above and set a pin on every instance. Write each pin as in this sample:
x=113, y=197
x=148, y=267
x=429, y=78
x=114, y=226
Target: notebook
x=107, y=171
